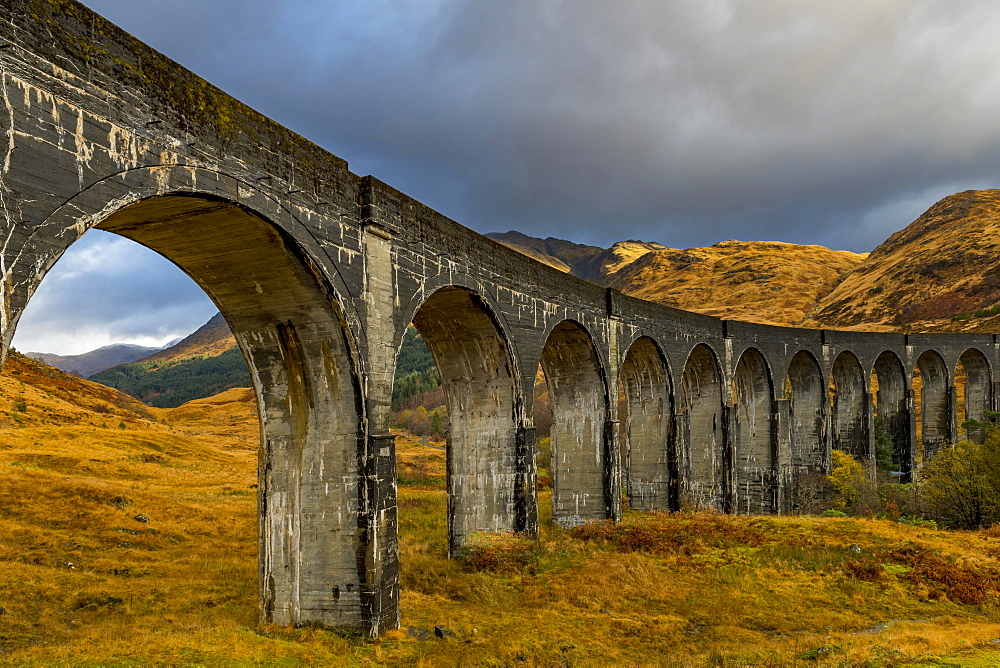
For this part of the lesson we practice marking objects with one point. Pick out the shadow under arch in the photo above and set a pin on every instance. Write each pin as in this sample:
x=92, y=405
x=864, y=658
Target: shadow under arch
x=892, y=413
x=934, y=421
x=849, y=407
x=977, y=395
x=292, y=329
x=485, y=462
x=755, y=457
x=583, y=486
x=700, y=432
x=647, y=443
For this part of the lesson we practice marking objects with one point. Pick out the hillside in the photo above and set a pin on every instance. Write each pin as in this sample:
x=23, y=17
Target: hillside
x=945, y=263
x=211, y=339
x=757, y=281
x=128, y=536
x=95, y=361
x=168, y=384
x=940, y=273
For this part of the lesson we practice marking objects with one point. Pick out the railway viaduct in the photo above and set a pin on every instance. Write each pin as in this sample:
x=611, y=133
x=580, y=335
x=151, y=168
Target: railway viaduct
x=319, y=272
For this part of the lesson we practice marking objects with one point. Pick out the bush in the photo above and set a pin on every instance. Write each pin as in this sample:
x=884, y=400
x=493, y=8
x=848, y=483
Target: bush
x=500, y=553
x=960, y=485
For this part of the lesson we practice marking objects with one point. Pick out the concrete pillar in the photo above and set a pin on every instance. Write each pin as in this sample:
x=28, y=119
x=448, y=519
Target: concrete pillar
x=728, y=500
x=781, y=435
x=612, y=471
x=952, y=409
x=526, y=493
x=916, y=452
x=379, y=550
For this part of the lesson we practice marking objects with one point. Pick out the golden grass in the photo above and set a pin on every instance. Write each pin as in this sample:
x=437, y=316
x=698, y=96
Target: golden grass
x=82, y=581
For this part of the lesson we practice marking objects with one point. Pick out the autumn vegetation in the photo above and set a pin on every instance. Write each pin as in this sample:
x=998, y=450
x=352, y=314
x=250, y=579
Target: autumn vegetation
x=128, y=536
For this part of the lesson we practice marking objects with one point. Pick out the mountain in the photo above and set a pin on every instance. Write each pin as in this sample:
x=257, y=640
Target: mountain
x=559, y=253
x=757, y=281
x=944, y=265
x=200, y=365
x=211, y=339
x=168, y=384
x=87, y=364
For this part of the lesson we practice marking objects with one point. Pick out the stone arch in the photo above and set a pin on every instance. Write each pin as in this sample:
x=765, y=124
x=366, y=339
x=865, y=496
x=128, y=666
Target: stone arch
x=581, y=457
x=892, y=413
x=700, y=430
x=755, y=456
x=46, y=242
x=291, y=322
x=976, y=390
x=481, y=387
x=651, y=460
x=805, y=393
x=849, y=407
x=934, y=420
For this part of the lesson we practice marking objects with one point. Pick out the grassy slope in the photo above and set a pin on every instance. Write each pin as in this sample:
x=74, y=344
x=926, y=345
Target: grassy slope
x=82, y=581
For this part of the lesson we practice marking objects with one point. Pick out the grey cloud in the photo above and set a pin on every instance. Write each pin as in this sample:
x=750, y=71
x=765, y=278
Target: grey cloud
x=684, y=122
x=107, y=289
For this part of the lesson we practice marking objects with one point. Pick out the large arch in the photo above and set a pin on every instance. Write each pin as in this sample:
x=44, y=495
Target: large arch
x=651, y=460
x=754, y=444
x=892, y=413
x=700, y=430
x=290, y=320
x=809, y=453
x=581, y=458
x=849, y=402
x=977, y=395
x=935, y=403
x=481, y=390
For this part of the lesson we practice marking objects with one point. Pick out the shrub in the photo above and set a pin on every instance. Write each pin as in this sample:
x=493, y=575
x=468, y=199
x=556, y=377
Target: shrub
x=960, y=485
x=848, y=478
x=500, y=553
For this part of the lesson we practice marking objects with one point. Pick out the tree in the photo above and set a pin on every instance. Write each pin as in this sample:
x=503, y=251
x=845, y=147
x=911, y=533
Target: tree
x=960, y=485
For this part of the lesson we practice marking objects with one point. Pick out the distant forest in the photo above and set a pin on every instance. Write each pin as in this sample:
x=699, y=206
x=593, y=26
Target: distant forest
x=170, y=384
x=415, y=369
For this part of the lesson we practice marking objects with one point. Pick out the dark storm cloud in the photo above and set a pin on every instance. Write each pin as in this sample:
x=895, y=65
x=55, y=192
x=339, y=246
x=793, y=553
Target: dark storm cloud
x=685, y=122
x=682, y=122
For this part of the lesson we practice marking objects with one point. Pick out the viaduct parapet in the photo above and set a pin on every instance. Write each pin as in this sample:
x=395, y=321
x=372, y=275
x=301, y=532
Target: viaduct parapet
x=319, y=272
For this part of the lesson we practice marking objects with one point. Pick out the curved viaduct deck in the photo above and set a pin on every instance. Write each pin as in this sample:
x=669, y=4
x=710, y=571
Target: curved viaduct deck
x=319, y=272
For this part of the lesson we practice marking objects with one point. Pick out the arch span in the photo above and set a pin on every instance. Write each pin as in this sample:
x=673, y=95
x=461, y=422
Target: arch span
x=651, y=460
x=977, y=395
x=755, y=452
x=292, y=337
x=806, y=408
x=934, y=422
x=700, y=430
x=849, y=407
x=481, y=388
x=581, y=454
x=892, y=413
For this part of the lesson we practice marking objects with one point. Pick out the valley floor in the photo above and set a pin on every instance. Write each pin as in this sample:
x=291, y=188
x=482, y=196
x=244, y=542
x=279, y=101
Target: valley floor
x=131, y=539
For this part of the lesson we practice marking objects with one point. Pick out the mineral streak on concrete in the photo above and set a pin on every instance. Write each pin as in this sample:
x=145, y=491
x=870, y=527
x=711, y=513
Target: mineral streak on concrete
x=319, y=271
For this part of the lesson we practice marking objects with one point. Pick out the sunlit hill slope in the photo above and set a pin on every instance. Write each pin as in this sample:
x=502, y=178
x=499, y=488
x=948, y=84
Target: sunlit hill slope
x=941, y=272
x=946, y=263
x=128, y=536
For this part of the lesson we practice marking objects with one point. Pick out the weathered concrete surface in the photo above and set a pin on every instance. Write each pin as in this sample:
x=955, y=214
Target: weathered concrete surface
x=319, y=271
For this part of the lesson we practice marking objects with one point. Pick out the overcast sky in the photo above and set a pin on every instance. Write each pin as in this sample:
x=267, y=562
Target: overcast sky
x=684, y=122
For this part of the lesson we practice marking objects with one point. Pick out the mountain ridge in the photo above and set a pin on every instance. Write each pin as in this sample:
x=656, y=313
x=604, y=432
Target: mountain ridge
x=97, y=360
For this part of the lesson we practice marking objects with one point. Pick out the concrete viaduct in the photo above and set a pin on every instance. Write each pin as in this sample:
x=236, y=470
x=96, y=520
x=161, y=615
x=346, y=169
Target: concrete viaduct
x=319, y=272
